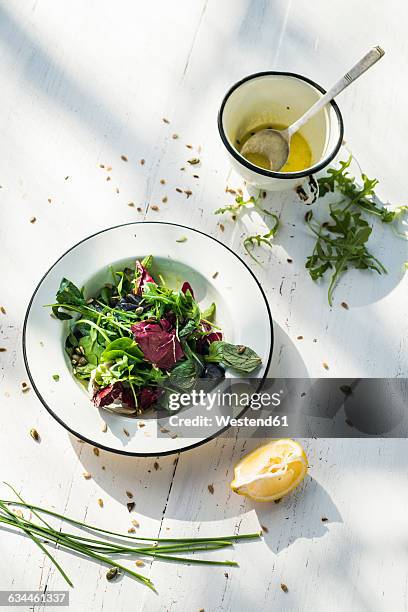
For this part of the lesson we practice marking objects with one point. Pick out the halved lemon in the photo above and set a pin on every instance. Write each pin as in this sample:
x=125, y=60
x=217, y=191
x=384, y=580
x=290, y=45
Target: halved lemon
x=270, y=471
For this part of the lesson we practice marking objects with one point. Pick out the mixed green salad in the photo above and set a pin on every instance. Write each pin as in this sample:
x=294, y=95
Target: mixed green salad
x=137, y=340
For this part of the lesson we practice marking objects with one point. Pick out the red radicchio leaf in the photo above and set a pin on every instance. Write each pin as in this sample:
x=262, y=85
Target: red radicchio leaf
x=116, y=391
x=158, y=342
x=187, y=287
x=148, y=396
x=204, y=342
x=143, y=278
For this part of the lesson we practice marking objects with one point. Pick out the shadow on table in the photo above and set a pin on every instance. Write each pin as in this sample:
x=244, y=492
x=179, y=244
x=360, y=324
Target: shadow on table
x=305, y=514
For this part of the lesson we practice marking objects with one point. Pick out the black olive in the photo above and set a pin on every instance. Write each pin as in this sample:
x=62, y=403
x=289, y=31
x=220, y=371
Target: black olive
x=214, y=371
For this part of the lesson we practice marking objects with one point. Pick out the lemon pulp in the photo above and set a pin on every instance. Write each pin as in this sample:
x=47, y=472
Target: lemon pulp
x=270, y=471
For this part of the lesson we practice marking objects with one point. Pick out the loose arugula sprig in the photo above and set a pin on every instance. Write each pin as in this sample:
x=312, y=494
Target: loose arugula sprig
x=250, y=242
x=341, y=242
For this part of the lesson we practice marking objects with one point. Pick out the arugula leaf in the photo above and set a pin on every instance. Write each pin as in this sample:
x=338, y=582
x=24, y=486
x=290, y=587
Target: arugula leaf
x=340, y=244
x=256, y=240
x=147, y=262
x=239, y=204
x=187, y=330
x=240, y=358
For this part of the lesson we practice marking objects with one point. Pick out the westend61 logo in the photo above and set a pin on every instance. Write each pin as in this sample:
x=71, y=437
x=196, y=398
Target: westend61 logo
x=233, y=399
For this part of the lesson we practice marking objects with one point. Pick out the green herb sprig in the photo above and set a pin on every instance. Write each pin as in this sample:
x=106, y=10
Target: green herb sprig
x=169, y=549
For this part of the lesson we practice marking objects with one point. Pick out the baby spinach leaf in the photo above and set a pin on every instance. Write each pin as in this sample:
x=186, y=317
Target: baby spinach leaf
x=209, y=313
x=120, y=347
x=240, y=358
x=69, y=294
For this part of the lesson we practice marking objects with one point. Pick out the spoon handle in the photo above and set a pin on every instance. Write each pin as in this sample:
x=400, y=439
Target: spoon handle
x=354, y=73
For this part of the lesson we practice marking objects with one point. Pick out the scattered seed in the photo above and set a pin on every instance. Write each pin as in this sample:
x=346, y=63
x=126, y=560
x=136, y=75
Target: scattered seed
x=49, y=200
x=162, y=181
x=109, y=168
x=24, y=384
x=183, y=168
x=117, y=189
x=241, y=349
x=100, y=502
x=66, y=178
x=131, y=530
x=163, y=430
x=96, y=451
x=211, y=488
x=173, y=436
x=284, y=587
x=129, y=494
x=189, y=146
x=25, y=388
x=2, y=309
x=289, y=260
x=325, y=365
x=188, y=192
x=165, y=120
x=112, y=573
x=123, y=158
x=265, y=529
x=155, y=207
x=182, y=239
x=108, y=178
x=278, y=501
x=324, y=519
x=130, y=506
x=156, y=465
x=2, y=349
x=87, y=475
x=142, y=424
x=222, y=228
x=135, y=523
x=164, y=200
x=175, y=136
x=215, y=274
x=104, y=427
x=193, y=161
x=300, y=338
x=139, y=563
x=139, y=209
x=125, y=431
x=34, y=434
x=230, y=190
x=346, y=389
x=142, y=162
x=345, y=305
x=234, y=217
x=33, y=219
x=101, y=165
x=179, y=190
x=196, y=176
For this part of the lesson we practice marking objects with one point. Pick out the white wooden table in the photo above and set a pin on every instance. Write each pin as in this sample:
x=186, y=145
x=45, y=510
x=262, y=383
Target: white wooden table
x=83, y=83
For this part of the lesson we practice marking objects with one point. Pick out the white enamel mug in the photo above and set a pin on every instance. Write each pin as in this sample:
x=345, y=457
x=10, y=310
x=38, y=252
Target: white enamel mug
x=278, y=98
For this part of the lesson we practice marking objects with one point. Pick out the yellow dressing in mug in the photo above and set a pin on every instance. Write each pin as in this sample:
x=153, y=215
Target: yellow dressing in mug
x=300, y=155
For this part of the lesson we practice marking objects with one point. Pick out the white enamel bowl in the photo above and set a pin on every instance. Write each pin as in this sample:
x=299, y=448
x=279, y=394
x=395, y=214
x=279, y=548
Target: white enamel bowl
x=278, y=98
x=242, y=313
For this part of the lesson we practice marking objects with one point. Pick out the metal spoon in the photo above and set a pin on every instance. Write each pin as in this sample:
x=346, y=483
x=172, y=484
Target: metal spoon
x=274, y=145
